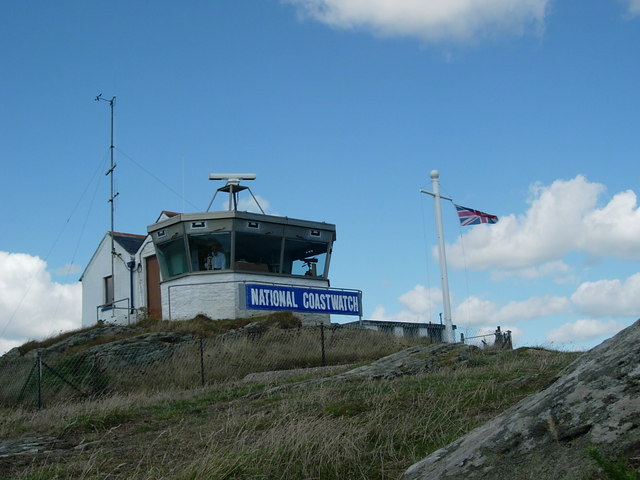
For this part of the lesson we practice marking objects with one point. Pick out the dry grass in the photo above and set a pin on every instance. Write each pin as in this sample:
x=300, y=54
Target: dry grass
x=47, y=342
x=200, y=325
x=203, y=326
x=78, y=372
x=334, y=430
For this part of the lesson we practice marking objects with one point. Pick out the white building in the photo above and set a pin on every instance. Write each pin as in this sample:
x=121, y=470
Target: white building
x=435, y=331
x=131, y=289
x=225, y=264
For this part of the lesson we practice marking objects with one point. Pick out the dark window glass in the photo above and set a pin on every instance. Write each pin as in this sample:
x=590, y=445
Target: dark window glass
x=173, y=258
x=257, y=253
x=108, y=290
x=210, y=251
x=303, y=257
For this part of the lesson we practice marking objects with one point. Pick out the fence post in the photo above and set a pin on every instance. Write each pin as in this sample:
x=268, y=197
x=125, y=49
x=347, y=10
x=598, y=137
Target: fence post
x=201, y=363
x=507, y=340
x=462, y=337
x=324, y=358
x=39, y=380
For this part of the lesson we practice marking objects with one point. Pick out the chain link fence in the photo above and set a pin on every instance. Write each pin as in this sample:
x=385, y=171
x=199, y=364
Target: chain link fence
x=168, y=360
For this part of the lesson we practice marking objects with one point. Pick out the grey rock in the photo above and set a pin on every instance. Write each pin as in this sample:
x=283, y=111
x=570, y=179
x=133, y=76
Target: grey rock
x=139, y=350
x=410, y=361
x=414, y=360
x=80, y=338
x=255, y=328
x=594, y=402
x=26, y=446
x=12, y=354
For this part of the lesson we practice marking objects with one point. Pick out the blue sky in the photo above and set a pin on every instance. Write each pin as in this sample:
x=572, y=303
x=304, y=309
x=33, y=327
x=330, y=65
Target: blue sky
x=528, y=109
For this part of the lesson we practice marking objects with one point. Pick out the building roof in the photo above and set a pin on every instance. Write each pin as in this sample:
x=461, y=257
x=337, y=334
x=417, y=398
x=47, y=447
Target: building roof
x=393, y=323
x=129, y=241
x=166, y=214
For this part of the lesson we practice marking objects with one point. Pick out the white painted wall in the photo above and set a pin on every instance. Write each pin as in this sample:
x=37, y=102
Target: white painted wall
x=219, y=295
x=93, y=287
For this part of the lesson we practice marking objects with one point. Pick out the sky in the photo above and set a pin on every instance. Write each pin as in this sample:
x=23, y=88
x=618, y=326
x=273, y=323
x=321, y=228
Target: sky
x=528, y=109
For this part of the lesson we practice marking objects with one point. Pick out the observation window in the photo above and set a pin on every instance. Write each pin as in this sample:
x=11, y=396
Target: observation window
x=270, y=248
x=210, y=251
x=258, y=253
x=303, y=257
x=173, y=258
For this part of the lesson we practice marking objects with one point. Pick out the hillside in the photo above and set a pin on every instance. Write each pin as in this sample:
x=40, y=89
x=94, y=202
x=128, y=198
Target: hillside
x=371, y=420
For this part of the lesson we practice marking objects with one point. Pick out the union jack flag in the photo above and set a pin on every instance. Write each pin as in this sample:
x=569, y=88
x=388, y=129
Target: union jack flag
x=468, y=216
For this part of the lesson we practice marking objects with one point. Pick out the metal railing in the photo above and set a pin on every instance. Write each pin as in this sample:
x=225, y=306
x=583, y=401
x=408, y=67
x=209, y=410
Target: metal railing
x=113, y=307
x=501, y=339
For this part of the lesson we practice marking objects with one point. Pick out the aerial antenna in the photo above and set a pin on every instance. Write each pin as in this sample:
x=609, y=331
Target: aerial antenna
x=113, y=195
x=233, y=187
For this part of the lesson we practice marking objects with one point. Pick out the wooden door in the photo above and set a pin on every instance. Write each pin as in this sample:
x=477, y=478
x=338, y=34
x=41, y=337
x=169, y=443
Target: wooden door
x=154, y=302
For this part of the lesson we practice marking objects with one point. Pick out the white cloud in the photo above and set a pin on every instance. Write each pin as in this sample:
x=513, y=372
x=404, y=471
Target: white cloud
x=537, y=307
x=613, y=229
x=421, y=300
x=433, y=20
x=474, y=311
x=421, y=305
x=609, y=297
x=583, y=330
x=248, y=204
x=634, y=7
x=380, y=313
x=559, y=270
x=32, y=306
x=562, y=218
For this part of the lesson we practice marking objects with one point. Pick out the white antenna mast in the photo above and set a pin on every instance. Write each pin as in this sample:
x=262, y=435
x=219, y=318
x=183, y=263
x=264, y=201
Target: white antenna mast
x=442, y=256
x=113, y=195
x=233, y=187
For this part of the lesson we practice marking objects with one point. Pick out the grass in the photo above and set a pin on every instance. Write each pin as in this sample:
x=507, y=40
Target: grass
x=356, y=429
x=47, y=342
x=200, y=325
x=191, y=362
x=614, y=469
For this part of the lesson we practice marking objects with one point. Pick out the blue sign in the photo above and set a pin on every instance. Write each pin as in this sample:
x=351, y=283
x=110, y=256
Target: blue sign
x=299, y=299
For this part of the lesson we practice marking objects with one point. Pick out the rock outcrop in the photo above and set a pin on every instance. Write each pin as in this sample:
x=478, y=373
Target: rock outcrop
x=140, y=350
x=595, y=402
x=410, y=361
x=77, y=339
x=414, y=360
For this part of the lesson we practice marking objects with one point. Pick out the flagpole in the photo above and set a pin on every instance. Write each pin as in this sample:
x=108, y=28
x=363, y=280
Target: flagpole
x=449, y=336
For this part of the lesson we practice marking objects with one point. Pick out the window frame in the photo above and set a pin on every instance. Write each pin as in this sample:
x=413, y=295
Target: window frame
x=108, y=288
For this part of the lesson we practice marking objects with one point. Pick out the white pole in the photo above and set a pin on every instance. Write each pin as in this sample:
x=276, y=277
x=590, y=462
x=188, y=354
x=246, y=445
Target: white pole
x=449, y=336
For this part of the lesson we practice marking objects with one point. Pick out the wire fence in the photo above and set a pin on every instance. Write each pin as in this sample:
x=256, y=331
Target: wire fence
x=157, y=361
x=501, y=339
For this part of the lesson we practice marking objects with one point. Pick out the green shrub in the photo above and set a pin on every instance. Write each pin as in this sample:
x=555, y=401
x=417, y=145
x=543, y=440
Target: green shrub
x=618, y=469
